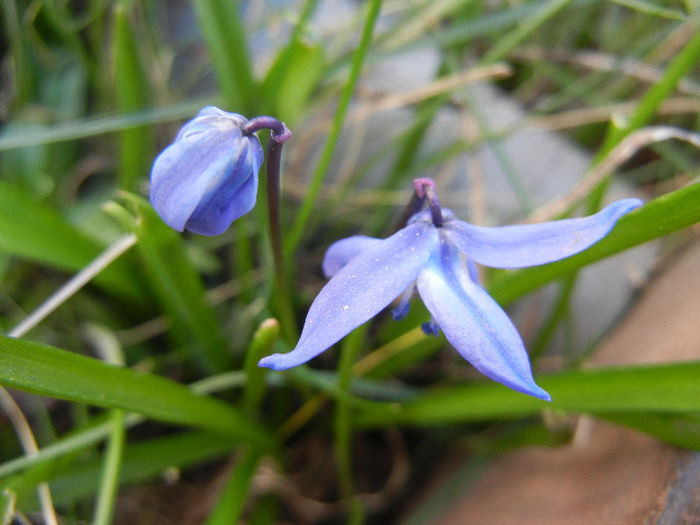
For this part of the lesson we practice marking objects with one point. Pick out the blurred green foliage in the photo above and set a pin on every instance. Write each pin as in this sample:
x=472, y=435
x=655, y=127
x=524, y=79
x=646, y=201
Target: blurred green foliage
x=91, y=91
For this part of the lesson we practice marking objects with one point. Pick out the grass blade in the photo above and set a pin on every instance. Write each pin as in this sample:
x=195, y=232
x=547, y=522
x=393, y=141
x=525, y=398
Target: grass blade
x=225, y=37
x=672, y=388
x=143, y=461
x=233, y=499
x=307, y=206
x=53, y=372
x=179, y=288
x=31, y=229
x=136, y=144
x=109, y=482
x=92, y=126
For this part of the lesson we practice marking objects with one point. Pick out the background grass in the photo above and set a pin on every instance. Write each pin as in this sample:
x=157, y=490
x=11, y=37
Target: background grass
x=92, y=91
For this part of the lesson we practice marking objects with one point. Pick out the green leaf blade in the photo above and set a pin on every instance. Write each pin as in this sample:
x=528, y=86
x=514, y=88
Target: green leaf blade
x=53, y=372
x=179, y=288
x=133, y=94
x=223, y=32
x=31, y=229
x=669, y=388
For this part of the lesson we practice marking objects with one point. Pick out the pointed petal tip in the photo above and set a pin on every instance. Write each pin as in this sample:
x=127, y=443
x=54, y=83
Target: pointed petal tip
x=624, y=206
x=540, y=393
x=525, y=385
x=275, y=362
x=523, y=245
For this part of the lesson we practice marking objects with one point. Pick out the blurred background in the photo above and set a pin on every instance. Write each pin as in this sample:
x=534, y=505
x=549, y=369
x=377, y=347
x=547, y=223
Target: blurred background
x=511, y=106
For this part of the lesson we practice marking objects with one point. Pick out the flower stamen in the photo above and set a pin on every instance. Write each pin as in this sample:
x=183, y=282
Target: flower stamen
x=425, y=189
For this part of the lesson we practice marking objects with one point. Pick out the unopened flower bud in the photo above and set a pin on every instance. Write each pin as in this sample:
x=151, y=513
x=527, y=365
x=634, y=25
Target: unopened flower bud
x=208, y=177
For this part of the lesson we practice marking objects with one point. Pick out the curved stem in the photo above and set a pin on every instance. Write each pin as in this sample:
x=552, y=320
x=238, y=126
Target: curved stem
x=274, y=155
x=281, y=288
x=280, y=133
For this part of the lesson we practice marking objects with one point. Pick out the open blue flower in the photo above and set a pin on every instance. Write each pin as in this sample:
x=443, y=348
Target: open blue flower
x=367, y=274
x=208, y=177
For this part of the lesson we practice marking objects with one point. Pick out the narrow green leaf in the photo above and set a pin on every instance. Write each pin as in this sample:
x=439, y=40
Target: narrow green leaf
x=109, y=480
x=507, y=42
x=681, y=64
x=89, y=127
x=82, y=439
x=142, y=462
x=22, y=74
x=31, y=229
x=107, y=347
x=319, y=173
x=661, y=389
x=682, y=430
x=292, y=78
x=179, y=288
x=659, y=217
x=263, y=342
x=132, y=92
x=30, y=168
x=461, y=33
x=53, y=372
x=7, y=506
x=288, y=69
x=651, y=8
x=223, y=32
x=100, y=428
x=233, y=499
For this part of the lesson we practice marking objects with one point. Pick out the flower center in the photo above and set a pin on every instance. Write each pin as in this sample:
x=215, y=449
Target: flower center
x=425, y=189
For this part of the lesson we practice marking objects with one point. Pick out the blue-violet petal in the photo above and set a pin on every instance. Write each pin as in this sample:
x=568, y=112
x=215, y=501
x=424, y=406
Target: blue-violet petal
x=532, y=244
x=208, y=174
x=230, y=196
x=359, y=291
x=474, y=323
x=341, y=252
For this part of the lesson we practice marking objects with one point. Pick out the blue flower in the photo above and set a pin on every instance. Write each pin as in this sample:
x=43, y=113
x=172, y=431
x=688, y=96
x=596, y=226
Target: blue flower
x=208, y=177
x=367, y=274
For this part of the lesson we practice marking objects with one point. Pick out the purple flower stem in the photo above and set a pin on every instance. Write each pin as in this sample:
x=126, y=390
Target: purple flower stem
x=280, y=131
x=279, y=135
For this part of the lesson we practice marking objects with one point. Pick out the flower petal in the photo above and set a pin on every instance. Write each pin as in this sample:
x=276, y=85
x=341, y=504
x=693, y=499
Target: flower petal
x=532, y=244
x=473, y=323
x=228, y=199
x=209, y=120
x=359, y=291
x=404, y=305
x=209, y=154
x=341, y=252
